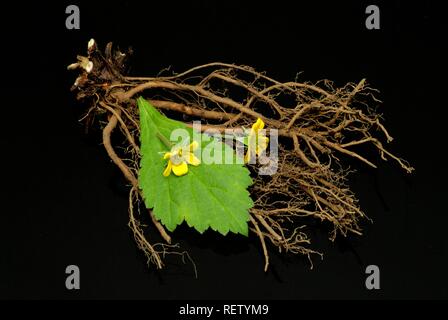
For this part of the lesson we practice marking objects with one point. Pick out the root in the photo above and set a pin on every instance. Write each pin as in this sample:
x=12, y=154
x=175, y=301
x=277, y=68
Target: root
x=263, y=243
x=154, y=253
x=125, y=169
x=316, y=122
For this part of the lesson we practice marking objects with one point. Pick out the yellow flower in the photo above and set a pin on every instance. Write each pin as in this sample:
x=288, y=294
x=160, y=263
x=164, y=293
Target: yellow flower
x=179, y=158
x=257, y=141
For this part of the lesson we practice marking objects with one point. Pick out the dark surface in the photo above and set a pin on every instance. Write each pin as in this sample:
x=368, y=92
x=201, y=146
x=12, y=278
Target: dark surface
x=64, y=202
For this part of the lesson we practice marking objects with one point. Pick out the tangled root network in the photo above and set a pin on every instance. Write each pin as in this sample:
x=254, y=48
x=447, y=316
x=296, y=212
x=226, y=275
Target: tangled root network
x=317, y=124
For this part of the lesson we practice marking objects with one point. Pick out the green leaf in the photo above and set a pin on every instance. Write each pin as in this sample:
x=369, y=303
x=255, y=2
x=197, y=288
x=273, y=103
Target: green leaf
x=209, y=195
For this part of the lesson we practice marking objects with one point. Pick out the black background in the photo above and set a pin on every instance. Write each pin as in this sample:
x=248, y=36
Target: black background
x=65, y=202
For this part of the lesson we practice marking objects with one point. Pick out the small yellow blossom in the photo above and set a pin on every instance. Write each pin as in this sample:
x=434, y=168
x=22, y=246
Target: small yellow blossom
x=257, y=141
x=179, y=158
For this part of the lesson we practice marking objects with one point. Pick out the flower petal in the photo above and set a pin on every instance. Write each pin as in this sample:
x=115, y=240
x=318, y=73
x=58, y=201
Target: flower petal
x=193, y=146
x=180, y=169
x=258, y=125
x=262, y=144
x=166, y=155
x=192, y=159
x=248, y=156
x=167, y=170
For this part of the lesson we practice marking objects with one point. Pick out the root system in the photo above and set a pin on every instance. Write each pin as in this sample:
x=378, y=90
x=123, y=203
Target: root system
x=318, y=124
